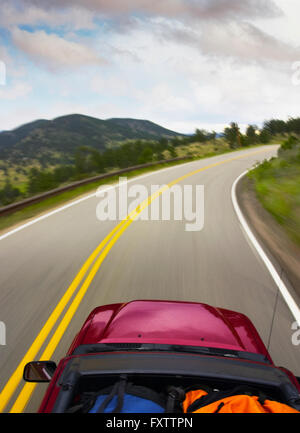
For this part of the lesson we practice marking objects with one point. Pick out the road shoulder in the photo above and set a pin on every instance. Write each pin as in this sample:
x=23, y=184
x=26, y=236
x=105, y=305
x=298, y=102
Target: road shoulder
x=269, y=232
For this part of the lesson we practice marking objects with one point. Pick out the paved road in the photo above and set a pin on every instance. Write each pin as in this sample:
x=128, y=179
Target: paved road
x=151, y=260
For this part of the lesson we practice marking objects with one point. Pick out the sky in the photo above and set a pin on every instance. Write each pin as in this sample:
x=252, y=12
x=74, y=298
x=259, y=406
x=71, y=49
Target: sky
x=183, y=64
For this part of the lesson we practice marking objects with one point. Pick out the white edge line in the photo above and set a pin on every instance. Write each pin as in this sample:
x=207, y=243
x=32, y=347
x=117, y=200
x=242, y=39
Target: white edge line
x=87, y=197
x=282, y=287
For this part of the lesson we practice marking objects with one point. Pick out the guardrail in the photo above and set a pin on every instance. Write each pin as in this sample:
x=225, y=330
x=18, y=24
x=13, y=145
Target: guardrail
x=5, y=210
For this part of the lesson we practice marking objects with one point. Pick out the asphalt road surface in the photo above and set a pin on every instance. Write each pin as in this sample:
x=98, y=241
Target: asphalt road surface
x=150, y=260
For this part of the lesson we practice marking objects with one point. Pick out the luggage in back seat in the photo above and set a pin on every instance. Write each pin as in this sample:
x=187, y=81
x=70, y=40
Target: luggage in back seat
x=237, y=400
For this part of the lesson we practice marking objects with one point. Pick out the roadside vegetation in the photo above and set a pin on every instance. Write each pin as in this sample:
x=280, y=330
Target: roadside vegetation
x=32, y=210
x=277, y=185
x=21, y=181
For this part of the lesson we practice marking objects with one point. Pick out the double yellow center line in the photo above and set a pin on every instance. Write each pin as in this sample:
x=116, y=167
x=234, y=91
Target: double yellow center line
x=93, y=263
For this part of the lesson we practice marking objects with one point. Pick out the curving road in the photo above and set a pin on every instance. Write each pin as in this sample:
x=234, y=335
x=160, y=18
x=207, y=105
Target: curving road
x=149, y=260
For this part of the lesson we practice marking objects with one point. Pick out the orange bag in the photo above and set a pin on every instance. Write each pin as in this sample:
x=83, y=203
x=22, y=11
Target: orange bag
x=201, y=401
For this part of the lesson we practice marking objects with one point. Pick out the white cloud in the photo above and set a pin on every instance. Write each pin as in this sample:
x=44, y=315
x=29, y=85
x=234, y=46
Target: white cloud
x=218, y=28
x=75, y=18
x=115, y=85
x=162, y=98
x=286, y=26
x=240, y=40
x=53, y=51
x=16, y=91
x=245, y=42
x=180, y=63
x=205, y=9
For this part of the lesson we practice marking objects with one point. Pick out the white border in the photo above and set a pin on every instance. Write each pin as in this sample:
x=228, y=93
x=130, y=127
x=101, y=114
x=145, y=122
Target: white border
x=282, y=287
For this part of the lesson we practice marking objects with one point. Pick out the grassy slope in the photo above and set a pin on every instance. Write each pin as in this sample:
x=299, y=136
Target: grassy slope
x=53, y=142
x=194, y=151
x=277, y=184
x=53, y=202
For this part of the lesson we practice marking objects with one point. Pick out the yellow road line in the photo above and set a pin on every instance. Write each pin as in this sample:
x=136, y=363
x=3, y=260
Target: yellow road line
x=28, y=388
x=16, y=377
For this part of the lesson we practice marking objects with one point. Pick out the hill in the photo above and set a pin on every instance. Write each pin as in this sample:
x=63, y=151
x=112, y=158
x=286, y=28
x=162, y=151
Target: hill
x=54, y=141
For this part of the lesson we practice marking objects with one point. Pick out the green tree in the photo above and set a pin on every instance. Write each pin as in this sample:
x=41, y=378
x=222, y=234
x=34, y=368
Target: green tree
x=79, y=161
x=265, y=136
x=176, y=141
x=109, y=159
x=172, y=151
x=164, y=142
x=232, y=135
x=251, y=136
x=201, y=135
x=9, y=193
x=40, y=181
x=88, y=160
x=275, y=126
x=63, y=173
x=146, y=155
x=213, y=135
x=293, y=125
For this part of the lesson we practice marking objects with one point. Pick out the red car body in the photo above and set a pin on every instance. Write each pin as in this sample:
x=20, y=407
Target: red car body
x=179, y=324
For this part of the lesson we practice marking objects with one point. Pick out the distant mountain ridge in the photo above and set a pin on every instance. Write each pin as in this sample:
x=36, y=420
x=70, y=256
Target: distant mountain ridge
x=59, y=138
